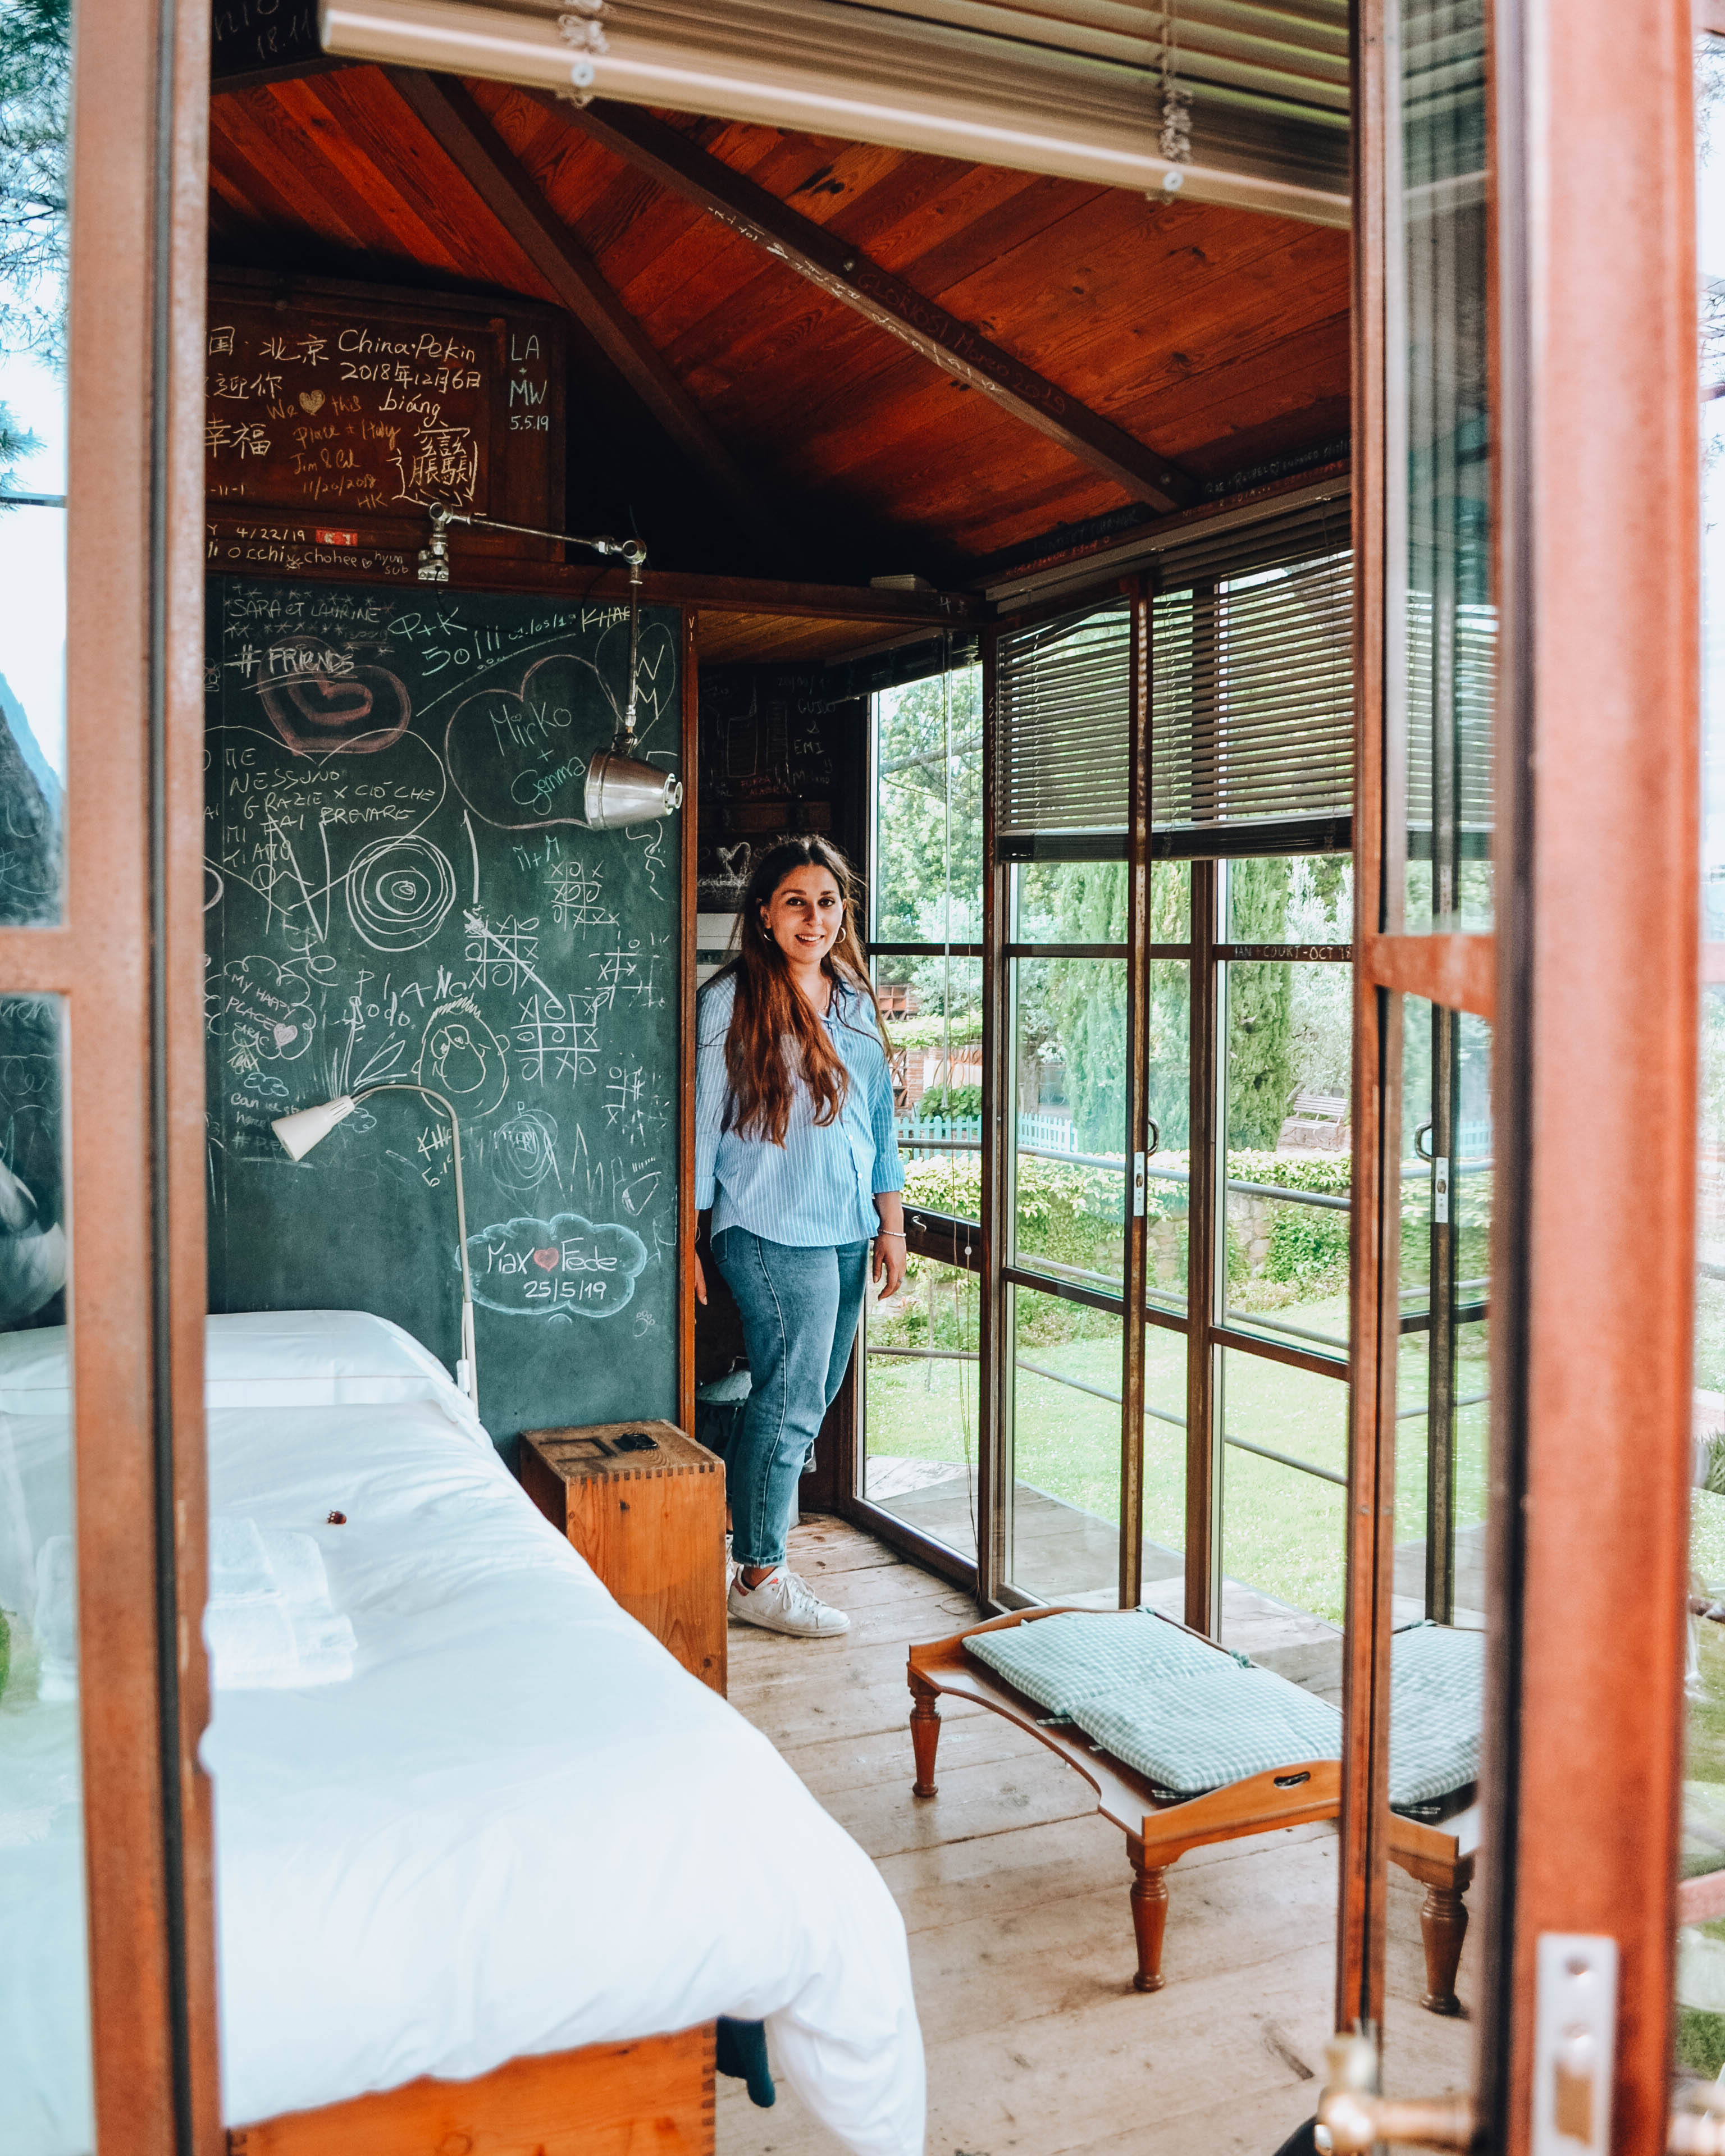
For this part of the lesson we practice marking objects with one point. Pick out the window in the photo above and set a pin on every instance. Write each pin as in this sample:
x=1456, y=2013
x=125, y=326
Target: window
x=917, y=1459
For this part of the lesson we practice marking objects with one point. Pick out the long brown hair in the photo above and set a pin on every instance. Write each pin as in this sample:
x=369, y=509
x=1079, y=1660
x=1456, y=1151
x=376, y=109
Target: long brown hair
x=775, y=1036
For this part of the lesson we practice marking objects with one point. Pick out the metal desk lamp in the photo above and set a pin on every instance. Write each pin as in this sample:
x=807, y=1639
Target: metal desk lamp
x=309, y=1126
x=621, y=786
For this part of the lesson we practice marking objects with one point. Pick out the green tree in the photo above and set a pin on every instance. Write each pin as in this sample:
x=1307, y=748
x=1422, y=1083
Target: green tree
x=1260, y=1007
x=1087, y=1002
x=915, y=836
x=35, y=82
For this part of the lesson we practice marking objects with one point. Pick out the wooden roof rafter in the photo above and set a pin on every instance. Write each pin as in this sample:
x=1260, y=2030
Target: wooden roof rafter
x=463, y=131
x=845, y=273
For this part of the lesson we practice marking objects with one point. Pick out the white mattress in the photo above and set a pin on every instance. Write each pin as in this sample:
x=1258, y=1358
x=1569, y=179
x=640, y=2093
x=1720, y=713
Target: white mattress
x=521, y=1827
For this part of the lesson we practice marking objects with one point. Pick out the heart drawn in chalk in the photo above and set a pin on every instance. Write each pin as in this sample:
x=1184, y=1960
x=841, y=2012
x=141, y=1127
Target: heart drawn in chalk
x=311, y=400
x=518, y=755
x=353, y=713
x=285, y=1033
x=547, y=1260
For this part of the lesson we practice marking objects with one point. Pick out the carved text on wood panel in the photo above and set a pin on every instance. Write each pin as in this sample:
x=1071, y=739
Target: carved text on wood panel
x=317, y=405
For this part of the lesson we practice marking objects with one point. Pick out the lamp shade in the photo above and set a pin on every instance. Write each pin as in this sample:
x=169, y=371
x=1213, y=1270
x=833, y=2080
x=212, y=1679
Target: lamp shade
x=619, y=791
x=307, y=1127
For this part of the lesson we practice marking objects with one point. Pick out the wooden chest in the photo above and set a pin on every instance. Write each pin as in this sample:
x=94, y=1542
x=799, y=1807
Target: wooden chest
x=649, y=1520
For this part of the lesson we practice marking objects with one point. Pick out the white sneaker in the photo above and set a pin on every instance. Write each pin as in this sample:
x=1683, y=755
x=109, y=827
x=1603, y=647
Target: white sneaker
x=783, y=1602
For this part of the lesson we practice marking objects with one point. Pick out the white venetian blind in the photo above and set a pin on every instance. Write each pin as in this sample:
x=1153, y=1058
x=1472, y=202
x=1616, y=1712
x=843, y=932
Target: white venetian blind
x=1062, y=716
x=1252, y=689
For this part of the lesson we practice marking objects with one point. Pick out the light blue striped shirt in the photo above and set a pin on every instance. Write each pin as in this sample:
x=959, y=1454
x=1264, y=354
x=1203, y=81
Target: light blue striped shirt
x=819, y=1188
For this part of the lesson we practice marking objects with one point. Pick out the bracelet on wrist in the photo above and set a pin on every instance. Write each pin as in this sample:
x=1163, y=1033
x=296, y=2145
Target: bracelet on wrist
x=897, y=1234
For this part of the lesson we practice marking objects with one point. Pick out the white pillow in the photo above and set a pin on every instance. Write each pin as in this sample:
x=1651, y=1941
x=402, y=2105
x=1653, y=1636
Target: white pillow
x=261, y=1359
x=314, y=1358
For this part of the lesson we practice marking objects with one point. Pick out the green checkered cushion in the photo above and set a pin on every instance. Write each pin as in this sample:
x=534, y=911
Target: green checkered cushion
x=1437, y=1704
x=1062, y=1661
x=1192, y=1718
x=1212, y=1726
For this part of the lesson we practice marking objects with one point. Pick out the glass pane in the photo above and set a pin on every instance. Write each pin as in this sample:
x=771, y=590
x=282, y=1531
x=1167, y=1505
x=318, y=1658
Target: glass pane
x=1438, y=1601
x=1067, y=1167
x=934, y=1021
x=1065, y=1424
x=928, y=810
x=1284, y=1517
x=920, y=1402
x=1171, y=902
x=1441, y=667
x=1164, y=1544
x=44, y=2028
x=1170, y=1108
x=34, y=103
x=1288, y=1110
x=1072, y=902
x=1300, y=898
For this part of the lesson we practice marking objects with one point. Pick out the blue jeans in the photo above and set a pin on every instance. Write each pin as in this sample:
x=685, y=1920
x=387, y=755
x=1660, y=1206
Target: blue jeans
x=800, y=1309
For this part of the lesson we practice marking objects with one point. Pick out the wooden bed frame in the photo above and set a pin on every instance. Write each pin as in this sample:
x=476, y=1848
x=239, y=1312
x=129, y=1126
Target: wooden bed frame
x=653, y=2097
x=1159, y=1830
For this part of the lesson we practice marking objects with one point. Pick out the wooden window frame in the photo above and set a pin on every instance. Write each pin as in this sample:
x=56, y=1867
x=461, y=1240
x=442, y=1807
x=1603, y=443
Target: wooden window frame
x=127, y=962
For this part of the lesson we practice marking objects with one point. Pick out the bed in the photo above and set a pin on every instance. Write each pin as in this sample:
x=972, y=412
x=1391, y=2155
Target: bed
x=519, y=1828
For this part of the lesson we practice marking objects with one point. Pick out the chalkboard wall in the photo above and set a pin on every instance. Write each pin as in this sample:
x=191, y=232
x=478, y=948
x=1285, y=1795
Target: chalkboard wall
x=399, y=887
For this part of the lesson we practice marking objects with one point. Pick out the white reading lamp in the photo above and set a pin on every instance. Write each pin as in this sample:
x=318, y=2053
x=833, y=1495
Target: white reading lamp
x=309, y=1126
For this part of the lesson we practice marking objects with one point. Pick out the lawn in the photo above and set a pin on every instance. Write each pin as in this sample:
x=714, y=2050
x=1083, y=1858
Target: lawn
x=1282, y=1530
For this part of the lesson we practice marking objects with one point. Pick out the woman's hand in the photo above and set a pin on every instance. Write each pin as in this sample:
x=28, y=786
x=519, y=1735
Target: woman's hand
x=700, y=1279
x=889, y=1262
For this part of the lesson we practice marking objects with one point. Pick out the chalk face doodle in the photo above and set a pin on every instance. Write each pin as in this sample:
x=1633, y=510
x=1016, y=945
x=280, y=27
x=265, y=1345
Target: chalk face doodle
x=369, y=924
x=568, y=1267
x=460, y=1056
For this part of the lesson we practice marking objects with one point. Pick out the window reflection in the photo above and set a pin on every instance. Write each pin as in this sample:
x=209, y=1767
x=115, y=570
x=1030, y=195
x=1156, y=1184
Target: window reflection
x=1064, y=1377
x=34, y=87
x=920, y=1375
x=45, y=2037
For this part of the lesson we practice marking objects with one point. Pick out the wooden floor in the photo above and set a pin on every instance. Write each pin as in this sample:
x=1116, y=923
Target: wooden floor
x=1015, y=1895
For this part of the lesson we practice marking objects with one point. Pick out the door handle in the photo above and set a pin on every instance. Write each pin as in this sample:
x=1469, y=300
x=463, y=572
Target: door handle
x=1351, y=2118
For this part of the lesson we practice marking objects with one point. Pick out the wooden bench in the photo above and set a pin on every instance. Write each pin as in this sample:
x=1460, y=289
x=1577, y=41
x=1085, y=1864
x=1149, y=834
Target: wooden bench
x=1159, y=1830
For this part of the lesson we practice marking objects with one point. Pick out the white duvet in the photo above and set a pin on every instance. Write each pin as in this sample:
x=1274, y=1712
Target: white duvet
x=519, y=1827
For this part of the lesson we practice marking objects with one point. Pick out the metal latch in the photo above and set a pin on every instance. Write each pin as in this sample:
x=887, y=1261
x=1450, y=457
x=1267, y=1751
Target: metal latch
x=1441, y=1191
x=1141, y=1164
x=1574, y=2044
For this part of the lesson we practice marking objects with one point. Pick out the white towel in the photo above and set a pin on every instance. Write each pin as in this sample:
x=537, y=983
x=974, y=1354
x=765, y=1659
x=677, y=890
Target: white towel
x=297, y=1564
x=239, y=1567
x=262, y=1646
x=267, y=1623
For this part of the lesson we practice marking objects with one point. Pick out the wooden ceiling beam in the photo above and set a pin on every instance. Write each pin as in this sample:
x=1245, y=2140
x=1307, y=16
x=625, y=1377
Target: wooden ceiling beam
x=846, y=273
x=473, y=145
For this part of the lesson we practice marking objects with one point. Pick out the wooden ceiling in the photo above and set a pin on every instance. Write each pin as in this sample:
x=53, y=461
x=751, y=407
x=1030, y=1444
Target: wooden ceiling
x=1216, y=338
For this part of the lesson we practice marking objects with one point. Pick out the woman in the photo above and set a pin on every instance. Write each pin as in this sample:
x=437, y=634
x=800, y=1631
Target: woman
x=795, y=1154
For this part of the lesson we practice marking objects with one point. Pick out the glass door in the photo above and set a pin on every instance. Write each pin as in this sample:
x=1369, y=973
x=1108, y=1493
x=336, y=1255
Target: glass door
x=1524, y=1399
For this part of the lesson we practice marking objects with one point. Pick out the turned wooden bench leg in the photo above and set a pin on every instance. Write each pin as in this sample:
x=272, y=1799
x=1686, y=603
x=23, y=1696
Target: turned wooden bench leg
x=1443, y=1926
x=925, y=1734
x=1149, y=1916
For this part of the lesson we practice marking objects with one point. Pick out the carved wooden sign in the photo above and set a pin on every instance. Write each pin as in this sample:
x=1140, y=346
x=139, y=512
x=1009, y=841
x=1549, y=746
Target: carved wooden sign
x=340, y=412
